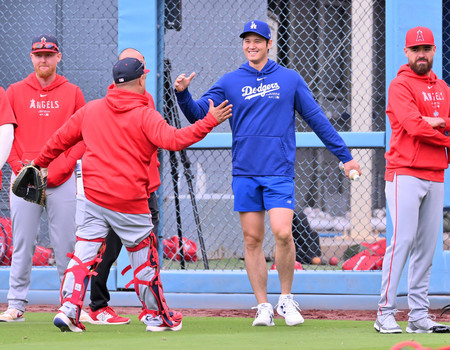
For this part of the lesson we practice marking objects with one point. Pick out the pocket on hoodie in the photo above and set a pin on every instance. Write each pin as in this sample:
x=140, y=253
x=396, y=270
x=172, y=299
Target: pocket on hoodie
x=260, y=155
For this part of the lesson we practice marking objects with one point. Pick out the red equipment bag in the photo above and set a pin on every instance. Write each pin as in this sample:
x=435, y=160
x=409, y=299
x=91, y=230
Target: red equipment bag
x=371, y=258
x=42, y=256
x=5, y=241
x=171, y=246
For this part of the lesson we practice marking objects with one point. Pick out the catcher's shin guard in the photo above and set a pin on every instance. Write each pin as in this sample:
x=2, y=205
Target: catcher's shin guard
x=82, y=271
x=151, y=264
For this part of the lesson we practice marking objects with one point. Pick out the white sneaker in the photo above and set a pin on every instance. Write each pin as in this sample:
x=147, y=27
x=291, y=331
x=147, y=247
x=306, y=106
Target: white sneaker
x=289, y=309
x=67, y=324
x=12, y=315
x=158, y=324
x=427, y=325
x=264, y=315
x=387, y=324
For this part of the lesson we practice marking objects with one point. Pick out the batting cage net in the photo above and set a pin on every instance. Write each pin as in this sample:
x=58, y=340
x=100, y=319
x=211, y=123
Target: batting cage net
x=337, y=46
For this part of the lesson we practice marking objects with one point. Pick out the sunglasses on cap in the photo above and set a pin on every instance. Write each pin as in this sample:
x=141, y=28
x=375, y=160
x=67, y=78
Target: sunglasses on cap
x=142, y=66
x=40, y=46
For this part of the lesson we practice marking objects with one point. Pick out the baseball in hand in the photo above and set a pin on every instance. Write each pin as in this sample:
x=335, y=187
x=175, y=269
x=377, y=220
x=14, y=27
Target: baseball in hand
x=353, y=174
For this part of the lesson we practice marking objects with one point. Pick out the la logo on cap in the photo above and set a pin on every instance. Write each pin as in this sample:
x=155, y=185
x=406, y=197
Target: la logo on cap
x=253, y=26
x=420, y=36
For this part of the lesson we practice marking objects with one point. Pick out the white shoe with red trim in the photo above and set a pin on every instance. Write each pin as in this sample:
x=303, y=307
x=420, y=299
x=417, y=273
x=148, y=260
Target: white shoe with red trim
x=12, y=315
x=67, y=324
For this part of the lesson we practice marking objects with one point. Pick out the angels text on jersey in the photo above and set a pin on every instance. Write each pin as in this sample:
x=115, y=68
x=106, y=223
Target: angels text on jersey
x=44, y=107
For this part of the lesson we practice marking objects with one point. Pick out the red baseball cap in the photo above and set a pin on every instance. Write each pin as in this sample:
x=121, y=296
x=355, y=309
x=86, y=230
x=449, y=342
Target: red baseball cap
x=419, y=36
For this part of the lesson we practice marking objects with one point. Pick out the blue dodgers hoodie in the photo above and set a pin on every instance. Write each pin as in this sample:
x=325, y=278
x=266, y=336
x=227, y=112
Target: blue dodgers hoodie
x=263, y=122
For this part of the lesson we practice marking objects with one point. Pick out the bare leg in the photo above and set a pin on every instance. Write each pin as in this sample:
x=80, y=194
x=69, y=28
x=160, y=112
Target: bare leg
x=281, y=223
x=255, y=262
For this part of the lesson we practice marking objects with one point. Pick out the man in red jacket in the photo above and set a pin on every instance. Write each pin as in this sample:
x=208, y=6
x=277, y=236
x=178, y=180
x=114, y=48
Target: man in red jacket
x=121, y=134
x=41, y=103
x=99, y=311
x=418, y=110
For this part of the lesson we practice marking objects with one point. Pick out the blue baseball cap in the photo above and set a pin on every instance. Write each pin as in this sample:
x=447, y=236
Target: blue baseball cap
x=257, y=27
x=128, y=69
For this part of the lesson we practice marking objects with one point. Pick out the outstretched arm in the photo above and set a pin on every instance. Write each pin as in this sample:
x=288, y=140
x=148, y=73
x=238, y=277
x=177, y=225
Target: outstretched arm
x=189, y=107
x=165, y=136
x=68, y=135
x=313, y=115
x=6, y=140
x=182, y=83
x=196, y=109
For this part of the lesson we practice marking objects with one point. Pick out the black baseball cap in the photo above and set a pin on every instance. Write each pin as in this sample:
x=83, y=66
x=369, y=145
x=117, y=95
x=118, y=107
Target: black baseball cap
x=128, y=69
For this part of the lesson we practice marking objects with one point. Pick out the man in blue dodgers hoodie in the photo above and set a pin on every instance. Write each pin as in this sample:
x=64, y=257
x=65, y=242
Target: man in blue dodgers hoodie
x=265, y=97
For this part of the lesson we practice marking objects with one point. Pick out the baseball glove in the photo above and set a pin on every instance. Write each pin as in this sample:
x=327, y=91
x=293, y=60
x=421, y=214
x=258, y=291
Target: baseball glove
x=30, y=185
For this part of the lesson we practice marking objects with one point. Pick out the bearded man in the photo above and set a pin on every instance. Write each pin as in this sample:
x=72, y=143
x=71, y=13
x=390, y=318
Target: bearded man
x=41, y=103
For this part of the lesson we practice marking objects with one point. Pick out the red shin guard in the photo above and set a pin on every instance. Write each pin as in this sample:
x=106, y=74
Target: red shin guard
x=170, y=318
x=82, y=273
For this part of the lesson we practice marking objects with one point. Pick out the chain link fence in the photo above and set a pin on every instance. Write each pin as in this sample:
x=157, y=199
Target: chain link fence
x=337, y=46
x=87, y=37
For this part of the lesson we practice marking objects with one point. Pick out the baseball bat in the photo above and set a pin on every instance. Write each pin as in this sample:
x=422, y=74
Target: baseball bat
x=172, y=117
x=353, y=174
x=175, y=181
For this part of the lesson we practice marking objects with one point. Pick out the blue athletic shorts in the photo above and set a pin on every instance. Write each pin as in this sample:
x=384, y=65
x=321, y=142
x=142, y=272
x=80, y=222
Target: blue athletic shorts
x=258, y=193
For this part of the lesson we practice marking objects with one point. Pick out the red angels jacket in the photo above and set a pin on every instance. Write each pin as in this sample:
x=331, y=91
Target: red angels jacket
x=121, y=134
x=39, y=113
x=416, y=148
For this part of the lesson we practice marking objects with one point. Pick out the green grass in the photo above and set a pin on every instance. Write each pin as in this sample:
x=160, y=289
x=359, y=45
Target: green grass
x=199, y=333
